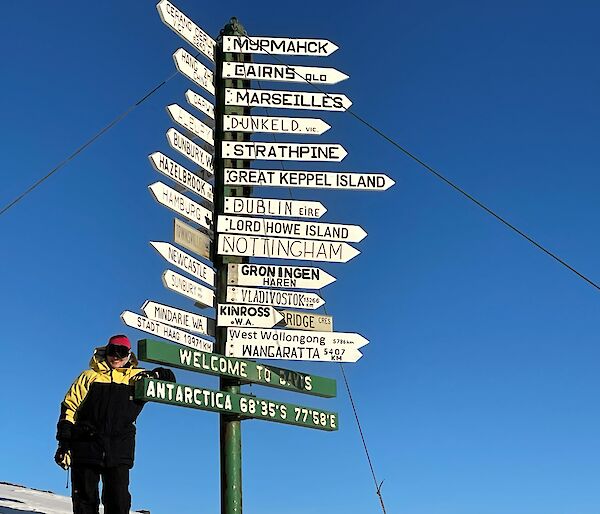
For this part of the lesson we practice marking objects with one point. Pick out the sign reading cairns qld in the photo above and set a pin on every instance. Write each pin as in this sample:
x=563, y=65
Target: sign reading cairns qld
x=200, y=103
x=277, y=99
x=185, y=262
x=261, y=316
x=181, y=175
x=278, y=46
x=282, y=73
x=179, y=318
x=270, y=275
x=190, y=149
x=274, y=124
x=188, y=288
x=283, y=151
x=189, y=121
x=259, y=296
x=194, y=70
x=181, y=204
x=273, y=207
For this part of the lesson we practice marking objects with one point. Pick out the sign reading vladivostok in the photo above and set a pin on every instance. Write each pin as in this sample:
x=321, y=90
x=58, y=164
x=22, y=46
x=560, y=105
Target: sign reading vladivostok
x=133, y=320
x=188, y=288
x=185, y=262
x=190, y=122
x=282, y=73
x=273, y=207
x=278, y=46
x=194, y=70
x=181, y=175
x=301, y=229
x=178, y=318
x=190, y=149
x=283, y=151
x=274, y=124
x=261, y=316
x=303, y=345
x=258, y=296
x=200, y=103
x=181, y=204
x=307, y=321
x=191, y=238
x=308, y=179
x=270, y=275
x=186, y=28
x=285, y=248
x=287, y=99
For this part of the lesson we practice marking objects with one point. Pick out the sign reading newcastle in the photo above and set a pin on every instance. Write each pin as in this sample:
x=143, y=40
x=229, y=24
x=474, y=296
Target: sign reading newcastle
x=270, y=275
x=278, y=46
x=287, y=99
x=273, y=207
x=185, y=262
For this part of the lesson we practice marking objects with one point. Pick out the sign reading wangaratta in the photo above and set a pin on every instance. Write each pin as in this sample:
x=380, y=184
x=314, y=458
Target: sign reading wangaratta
x=200, y=103
x=303, y=345
x=278, y=46
x=164, y=331
x=188, y=288
x=282, y=73
x=274, y=124
x=235, y=315
x=270, y=275
x=277, y=99
x=307, y=321
x=194, y=70
x=189, y=121
x=190, y=238
x=179, y=318
x=283, y=151
x=148, y=389
x=273, y=207
x=163, y=164
x=185, y=262
x=190, y=149
x=275, y=297
x=181, y=204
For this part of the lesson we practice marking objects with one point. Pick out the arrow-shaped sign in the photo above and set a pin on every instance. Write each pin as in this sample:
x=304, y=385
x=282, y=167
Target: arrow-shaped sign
x=287, y=99
x=274, y=124
x=188, y=288
x=189, y=121
x=181, y=204
x=163, y=164
x=273, y=207
x=278, y=45
x=190, y=149
x=179, y=318
x=275, y=297
x=192, y=239
x=261, y=316
x=307, y=321
x=270, y=275
x=283, y=151
x=185, y=262
x=194, y=70
x=200, y=103
x=282, y=73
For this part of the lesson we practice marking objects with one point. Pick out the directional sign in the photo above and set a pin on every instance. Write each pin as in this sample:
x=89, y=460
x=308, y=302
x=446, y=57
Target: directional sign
x=185, y=262
x=273, y=207
x=181, y=175
x=181, y=204
x=178, y=318
x=133, y=320
x=190, y=149
x=191, y=239
x=301, y=229
x=261, y=316
x=283, y=151
x=307, y=321
x=287, y=99
x=282, y=73
x=148, y=389
x=246, y=371
x=200, y=103
x=188, y=288
x=186, y=28
x=274, y=124
x=304, y=345
x=275, y=297
x=270, y=275
x=194, y=70
x=278, y=46
x=285, y=248
x=190, y=122
x=308, y=179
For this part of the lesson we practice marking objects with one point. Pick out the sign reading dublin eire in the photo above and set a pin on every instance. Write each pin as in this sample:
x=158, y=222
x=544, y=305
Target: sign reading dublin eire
x=273, y=207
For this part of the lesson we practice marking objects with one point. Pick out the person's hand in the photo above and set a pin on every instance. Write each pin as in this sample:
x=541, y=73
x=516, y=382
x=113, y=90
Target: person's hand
x=164, y=374
x=63, y=457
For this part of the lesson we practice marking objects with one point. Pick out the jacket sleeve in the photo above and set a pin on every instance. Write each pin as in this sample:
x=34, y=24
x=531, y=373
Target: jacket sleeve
x=69, y=406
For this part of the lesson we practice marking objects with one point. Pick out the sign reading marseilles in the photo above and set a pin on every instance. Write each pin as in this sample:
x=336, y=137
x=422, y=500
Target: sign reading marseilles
x=283, y=151
x=258, y=296
x=237, y=315
x=274, y=124
x=273, y=207
x=166, y=166
x=185, y=262
x=278, y=45
x=194, y=70
x=270, y=275
x=287, y=99
x=190, y=238
x=190, y=149
x=307, y=321
x=179, y=318
x=181, y=204
x=282, y=73
x=189, y=121
x=188, y=288
x=200, y=103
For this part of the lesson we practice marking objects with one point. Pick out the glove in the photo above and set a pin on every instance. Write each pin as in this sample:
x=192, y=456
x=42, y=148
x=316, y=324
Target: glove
x=63, y=457
x=164, y=374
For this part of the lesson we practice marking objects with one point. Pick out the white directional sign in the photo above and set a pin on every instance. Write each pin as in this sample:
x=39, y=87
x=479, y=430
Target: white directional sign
x=200, y=103
x=260, y=316
x=278, y=46
x=194, y=70
x=283, y=151
x=282, y=73
x=188, y=288
x=186, y=28
x=274, y=124
x=285, y=248
x=178, y=318
x=304, y=345
x=190, y=122
x=308, y=179
x=307, y=321
x=185, y=262
x=287, y=99
x=190, y=149
x=191, y=239
x=273, y=207
x=271, y=275
x=279, y=228
x=275, y=297
x=181, y=204
x=181, y=175
x=164, y=331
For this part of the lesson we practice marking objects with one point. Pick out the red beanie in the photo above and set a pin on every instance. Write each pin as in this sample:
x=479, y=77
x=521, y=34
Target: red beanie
x=120, y=340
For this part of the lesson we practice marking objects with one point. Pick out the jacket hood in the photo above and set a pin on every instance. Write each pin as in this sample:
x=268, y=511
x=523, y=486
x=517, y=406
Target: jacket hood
x=99, y=363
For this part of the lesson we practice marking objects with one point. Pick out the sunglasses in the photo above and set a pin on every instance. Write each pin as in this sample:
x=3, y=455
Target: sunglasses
x=117, y=350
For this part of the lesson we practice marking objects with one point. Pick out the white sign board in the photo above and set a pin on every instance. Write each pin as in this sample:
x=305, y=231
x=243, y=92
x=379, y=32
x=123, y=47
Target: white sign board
x=200, y=103
x=278, y=45
x=274, y=124
x=179, y=318
x=188, y=288
x=163, y=164
x=283, y=151
x=274, y=297
x=189, y=121
x=164, y=331
x=277, y=99
x=305, y=345
x=307, y=321
x=285, y=248
x=282, y=73
x=194, y=70
x=190, y=149
x=273, y=207
x=185, y=262
x=181, y=204
x=280, y=228
x=186, y=28
x=308, y=179
x=271, y=275
x=260, y=316
x=191, y=239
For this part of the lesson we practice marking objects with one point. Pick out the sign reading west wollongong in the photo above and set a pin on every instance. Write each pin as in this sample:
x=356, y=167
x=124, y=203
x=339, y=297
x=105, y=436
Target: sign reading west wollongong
x=278, y=46
x=148, y=389
x=283, y=151
x=179, y=318
x=261, y=316
x=194, y=70
x=247, y=371
x=181, y=175
x=258, y=296
x=200, y=103
x=274, y=124
x=185, y=262
x=271, y=275
x=188, y=288
x=190, y=238
x=273, y=207
x=307, y=321
x=181, y=204
x=287, y=99
x=190, y=149
x=189, y=121
x=282, y=73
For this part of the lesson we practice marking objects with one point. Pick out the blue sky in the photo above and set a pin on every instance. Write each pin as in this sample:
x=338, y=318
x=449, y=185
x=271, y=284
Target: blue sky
x=478, y=391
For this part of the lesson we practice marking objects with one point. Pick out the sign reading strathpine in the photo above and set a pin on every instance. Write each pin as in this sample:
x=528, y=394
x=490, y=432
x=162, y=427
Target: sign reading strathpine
x=185, y=262
x=283, y=151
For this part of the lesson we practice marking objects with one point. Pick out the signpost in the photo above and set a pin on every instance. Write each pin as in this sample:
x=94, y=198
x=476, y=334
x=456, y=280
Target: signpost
x=274, y=124
x=189, y=121
x=185, y=262
x=179, y=318
x=188, y=288
x=200, y=103
x=283, y=151
x=307, y=321
x=194, y=70
x=192, y=239
x=273, y=207
x=282, y=73
x=190, y=149
x=247, y=316
x=275, y=297
x=270, y=275
x=278, y=46
x=181, y=204
x=277, y=99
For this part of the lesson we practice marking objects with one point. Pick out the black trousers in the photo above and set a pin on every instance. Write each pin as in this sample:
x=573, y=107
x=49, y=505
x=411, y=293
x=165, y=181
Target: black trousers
x=115, y=489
